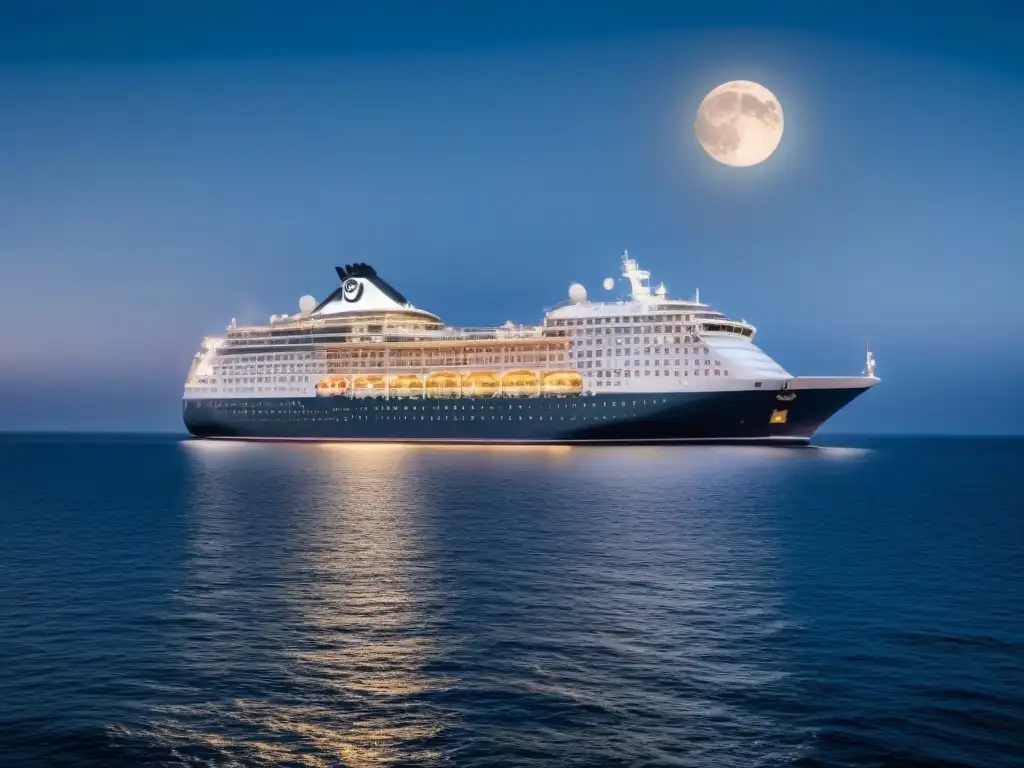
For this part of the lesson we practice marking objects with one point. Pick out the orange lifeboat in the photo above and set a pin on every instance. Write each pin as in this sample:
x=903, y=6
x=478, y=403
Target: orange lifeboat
x=329, y=386
x=406, y=383
x=370, y=382
x=481, y=384
x=520, y=383
x=443, y=384
x=563, y=383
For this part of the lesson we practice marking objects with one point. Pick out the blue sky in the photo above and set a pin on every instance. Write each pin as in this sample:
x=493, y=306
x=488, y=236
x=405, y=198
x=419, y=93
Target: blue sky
x=168, y=167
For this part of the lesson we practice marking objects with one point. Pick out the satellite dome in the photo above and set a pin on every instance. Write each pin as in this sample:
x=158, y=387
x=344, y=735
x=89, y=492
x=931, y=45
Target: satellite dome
x=609, y=283
x=306, y=304
x=577, y=293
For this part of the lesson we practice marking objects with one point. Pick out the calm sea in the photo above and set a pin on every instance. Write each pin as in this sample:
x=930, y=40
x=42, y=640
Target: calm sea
x=175, y=603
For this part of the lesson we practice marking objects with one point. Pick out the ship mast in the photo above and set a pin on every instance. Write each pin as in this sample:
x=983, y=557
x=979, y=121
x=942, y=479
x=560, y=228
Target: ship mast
x=639, y=279
x=869, y=361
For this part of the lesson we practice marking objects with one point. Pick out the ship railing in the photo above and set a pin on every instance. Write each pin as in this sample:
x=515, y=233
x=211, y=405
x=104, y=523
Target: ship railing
x=316, y=324
x=594, y=304
x=392, y=335
x=472, y=334
x=674, y=305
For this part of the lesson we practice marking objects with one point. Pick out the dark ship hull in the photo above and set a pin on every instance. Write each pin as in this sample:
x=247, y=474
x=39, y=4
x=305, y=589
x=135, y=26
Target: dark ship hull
x=789, y=416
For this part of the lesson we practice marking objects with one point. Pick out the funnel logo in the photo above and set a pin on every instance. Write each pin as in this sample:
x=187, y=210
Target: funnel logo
x=352, y=290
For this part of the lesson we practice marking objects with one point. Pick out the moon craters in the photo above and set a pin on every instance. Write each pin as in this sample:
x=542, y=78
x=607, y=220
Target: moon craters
x=739, y=123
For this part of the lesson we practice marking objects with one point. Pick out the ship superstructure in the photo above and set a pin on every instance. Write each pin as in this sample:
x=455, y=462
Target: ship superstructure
x=366, y=364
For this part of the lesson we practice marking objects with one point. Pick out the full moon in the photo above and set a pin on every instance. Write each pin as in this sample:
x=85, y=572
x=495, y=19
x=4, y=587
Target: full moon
x=739, y=123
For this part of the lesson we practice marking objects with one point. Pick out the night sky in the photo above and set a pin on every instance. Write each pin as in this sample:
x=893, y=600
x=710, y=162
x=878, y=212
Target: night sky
x=168, y=166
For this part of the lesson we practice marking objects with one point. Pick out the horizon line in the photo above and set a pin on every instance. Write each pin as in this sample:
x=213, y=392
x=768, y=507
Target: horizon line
x=184, y=434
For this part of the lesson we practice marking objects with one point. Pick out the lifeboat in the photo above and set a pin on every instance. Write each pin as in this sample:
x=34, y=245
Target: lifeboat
x=370, y=382
x=481, y=384
x=406, y=383
x=329, y=386
x=563, y=383
x=443, y=384
x=520, y=383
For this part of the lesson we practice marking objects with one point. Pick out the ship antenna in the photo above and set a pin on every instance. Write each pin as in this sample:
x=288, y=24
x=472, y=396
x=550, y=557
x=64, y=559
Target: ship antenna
x=869, y=360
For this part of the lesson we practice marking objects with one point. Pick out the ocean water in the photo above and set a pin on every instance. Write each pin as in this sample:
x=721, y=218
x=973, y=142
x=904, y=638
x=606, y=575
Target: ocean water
x=177, y=603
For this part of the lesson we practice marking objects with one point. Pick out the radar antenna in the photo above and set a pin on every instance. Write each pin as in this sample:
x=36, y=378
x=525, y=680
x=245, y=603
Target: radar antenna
x=639, y=279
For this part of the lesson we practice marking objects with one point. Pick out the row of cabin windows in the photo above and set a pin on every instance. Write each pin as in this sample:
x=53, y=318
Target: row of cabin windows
x=450, y=360
x=617, y=372
x=276, y=409
x=274, y=363
x=269, y=389
x=644, y=361
x=278, y=406
x=626, y=352
x=231, y=369
x=307, y=416
x=398, y=354
x=621, y=325
x=266, y=379
x=273, y=358
x=621, y=330
x=627, y=319
x=636, y=340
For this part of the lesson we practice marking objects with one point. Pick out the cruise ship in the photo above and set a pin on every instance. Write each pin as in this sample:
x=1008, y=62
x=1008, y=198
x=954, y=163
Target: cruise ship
x=365, y=364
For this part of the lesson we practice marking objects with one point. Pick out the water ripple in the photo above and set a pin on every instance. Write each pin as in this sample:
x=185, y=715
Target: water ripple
x=201, y=604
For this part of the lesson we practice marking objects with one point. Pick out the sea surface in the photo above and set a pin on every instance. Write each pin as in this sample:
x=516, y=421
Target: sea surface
x=166, y=602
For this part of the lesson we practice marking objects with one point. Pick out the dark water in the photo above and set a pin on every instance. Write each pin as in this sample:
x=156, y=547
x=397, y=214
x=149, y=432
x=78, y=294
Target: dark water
x=175, y=603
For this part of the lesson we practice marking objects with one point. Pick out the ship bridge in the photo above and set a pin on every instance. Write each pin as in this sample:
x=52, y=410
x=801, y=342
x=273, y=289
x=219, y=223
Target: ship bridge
x=643, y=303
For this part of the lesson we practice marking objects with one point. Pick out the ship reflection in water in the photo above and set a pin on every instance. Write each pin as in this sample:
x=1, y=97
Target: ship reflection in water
x=393, y=604
x=237, y=604
x=313, y=570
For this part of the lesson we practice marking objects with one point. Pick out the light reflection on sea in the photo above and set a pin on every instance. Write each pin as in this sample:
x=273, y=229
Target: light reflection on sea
x=414, y=588
x=345, y=573
x=216, y=604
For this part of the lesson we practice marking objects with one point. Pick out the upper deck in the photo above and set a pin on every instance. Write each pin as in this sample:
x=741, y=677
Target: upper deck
x=642, y=342
x=376, y=330
x=365, y=310
x=642, y=311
